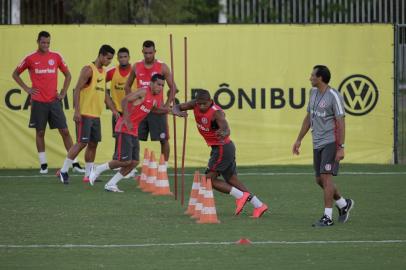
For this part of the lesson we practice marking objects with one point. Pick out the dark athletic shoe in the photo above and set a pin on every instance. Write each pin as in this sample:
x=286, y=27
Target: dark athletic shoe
x=344, y=213
x=324, y=222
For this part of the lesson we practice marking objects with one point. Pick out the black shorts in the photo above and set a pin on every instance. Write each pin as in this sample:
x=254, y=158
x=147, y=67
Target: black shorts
x=324, y=160
x=156, y=125
x=88, y=130
x=222, y=160
x=127, y=147
x=43, y=113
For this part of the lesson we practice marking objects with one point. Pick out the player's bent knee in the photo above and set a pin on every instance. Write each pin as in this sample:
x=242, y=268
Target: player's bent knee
x=134, y=163
x=125, y=163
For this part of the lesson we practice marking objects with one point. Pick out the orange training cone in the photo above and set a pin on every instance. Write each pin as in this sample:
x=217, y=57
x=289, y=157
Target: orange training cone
x=144, y=170
x=208, y=214
x=193, y=195
x=162, y=182
x=200, y=197
x=152, y=174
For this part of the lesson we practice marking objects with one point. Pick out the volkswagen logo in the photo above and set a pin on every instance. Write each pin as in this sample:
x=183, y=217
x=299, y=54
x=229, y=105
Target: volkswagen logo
x=360, y=94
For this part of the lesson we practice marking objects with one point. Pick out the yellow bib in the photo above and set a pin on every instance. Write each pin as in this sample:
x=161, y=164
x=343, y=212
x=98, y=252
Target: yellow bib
x=92, y=97
x=117, y=88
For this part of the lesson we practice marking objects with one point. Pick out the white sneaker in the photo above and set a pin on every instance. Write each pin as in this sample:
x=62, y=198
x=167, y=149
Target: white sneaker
x=112, y=188
x=77, y=168
x=44, y=168
x=131, y=174
x=93, y=175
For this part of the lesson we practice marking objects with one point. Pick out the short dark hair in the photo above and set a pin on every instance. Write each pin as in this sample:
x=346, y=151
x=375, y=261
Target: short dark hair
x=323, y=72
x=44, y=34
x=148, y=44
x=105, y=49
x=203, y=94
x=157, y=76
x=123, y=50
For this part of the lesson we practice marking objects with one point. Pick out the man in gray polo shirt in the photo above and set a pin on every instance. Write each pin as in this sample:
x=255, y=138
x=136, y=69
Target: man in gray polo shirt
x=325, y=116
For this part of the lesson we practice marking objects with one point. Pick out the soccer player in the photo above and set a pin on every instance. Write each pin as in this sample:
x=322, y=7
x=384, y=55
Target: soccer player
x=142, y=71
x=325, y=116
x=213, y=126
x=136, y=106
x=46, y=102
x=117, y=76
x=90, y=95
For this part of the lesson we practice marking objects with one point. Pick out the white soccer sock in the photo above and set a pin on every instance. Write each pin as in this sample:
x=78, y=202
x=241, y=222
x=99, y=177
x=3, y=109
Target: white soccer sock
x=88, y=168
x=236, y=193
x=256, y=202
x=42, y=158
x=341, y=203
x=102, y=167
x=66, y=165
x=166, y=164
x=329, y=212
x=75, y=160
x=115, y=179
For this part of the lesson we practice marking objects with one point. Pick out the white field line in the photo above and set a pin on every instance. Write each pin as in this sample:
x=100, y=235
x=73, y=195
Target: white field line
x=206, y=244
x=247, y=173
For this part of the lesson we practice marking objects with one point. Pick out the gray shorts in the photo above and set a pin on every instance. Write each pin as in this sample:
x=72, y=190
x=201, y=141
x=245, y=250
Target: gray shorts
x=43, y=113
x=324, y=160
x=88, y=130
x=156, y=125
x=127, y=147
x=222, y=160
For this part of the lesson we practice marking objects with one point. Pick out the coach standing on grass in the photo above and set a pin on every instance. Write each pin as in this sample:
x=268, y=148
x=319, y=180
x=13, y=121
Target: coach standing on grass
x=325, y=116
x=46, y=102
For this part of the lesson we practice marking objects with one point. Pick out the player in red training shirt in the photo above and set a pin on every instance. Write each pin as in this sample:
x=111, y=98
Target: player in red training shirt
x=154, y=124
x=212, y=125
x=46, y=102
x=136, y=106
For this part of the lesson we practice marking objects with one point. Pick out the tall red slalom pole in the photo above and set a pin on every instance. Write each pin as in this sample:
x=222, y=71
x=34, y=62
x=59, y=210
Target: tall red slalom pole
x=184, y=130
x=173, y=91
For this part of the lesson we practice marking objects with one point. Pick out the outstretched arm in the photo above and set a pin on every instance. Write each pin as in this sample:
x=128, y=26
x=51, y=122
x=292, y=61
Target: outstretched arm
x=305, y=128
x=180, y=109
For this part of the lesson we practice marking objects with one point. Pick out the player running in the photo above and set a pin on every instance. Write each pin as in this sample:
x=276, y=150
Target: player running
x=213, y=127
x=136, y=106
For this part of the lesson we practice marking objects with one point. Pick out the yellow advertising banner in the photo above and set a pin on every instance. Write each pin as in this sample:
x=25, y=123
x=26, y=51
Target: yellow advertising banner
x=258, y=73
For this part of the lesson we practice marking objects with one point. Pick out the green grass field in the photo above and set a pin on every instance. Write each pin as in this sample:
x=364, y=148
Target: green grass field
x=37, y=212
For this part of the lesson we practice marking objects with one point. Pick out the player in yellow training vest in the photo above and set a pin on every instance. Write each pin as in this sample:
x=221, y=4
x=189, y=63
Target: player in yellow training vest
x=89, y=98
x=117, y=76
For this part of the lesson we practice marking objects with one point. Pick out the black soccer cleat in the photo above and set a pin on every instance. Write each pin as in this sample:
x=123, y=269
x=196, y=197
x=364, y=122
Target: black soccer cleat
x=325, y=221
x=344, y=213
x=77, y=168
x=64, y=177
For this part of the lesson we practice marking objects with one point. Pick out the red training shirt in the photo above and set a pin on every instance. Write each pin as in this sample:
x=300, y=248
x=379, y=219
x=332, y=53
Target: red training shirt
x=43, y=70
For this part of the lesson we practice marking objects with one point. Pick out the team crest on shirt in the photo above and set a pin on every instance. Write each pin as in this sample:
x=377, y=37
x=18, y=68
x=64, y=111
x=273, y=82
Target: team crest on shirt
x=323, y=104
x=51, y=62
x=327, y=167
x=204, y=120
